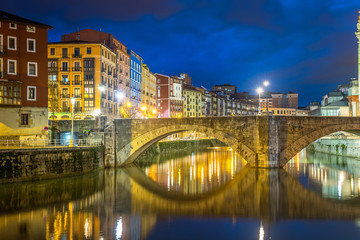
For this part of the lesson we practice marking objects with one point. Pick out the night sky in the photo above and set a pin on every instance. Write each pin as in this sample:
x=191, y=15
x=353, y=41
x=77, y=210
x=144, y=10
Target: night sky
x=304, y=46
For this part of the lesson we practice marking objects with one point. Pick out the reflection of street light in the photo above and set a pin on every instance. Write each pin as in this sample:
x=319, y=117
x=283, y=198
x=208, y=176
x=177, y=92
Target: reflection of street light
x=259, y=91
x=71, y=144
x=266, y=84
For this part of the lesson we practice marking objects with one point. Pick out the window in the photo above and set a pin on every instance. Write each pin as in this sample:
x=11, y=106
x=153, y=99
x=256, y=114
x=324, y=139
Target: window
x=30, y=28
x=88, y=50
x=30, y=45
x=11, y=43
x=25, y=119
x=65, y=78
x=12, y=67
x=31, y=93
x=52, y=51
x=12, y=26
x=32, y=69
x=77, y=52
x=89, y=92
x=64, y=52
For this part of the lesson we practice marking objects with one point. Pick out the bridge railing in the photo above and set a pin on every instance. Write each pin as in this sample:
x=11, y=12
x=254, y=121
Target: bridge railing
x=46, y=143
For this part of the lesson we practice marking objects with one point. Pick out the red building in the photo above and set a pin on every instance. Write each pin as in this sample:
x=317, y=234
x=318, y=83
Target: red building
x=23, y=76
x=169, y=96
x=122, y=57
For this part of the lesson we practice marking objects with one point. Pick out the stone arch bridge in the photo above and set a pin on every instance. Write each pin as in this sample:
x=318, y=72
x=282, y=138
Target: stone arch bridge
x=263, y=141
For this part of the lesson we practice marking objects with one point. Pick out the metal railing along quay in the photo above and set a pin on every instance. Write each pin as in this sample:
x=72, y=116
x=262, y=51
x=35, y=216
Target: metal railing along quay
x=46, y=143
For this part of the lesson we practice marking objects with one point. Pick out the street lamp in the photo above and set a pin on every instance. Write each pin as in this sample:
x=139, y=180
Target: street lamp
x=266, y=84
x=71, y=144
x=259, y=91
x=119, y=97
x=101, y=89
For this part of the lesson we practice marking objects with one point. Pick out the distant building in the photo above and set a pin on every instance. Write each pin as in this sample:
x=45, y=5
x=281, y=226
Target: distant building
x=23, y=77
x=186, y=79
x=169, y=96
x=226, y=89
x=280, y=100
x=192, y=101
x=135, y=83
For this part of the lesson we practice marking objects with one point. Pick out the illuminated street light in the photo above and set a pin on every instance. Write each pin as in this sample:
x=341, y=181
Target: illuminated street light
x=143, y=108
x=259, y=91
x=71, y=144
x=120, y=95
x=266, y=84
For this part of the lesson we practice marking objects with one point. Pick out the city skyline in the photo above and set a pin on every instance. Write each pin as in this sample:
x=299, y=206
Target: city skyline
x=309, y=48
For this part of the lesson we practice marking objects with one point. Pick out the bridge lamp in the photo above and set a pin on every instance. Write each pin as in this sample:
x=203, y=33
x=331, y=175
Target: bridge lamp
x=266, y=84
x=71, y=144
x=259, y=91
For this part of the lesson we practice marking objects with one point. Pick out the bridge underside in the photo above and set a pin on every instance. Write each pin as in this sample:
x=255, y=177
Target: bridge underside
x=263, y=141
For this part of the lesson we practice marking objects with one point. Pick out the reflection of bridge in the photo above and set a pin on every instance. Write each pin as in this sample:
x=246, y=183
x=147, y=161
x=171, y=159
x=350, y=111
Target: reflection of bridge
x=253, y=193
x=261, y=140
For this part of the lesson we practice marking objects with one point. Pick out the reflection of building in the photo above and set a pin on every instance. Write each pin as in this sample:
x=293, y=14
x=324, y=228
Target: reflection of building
x=85, y=72
x=23, y=76
x=169, y=96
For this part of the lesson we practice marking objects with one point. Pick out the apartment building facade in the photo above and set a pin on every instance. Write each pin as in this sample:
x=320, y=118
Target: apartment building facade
x=23, y=77
x=85, y=72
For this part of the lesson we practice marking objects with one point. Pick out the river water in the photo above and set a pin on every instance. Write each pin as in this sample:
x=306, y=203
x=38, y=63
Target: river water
x=191, y=194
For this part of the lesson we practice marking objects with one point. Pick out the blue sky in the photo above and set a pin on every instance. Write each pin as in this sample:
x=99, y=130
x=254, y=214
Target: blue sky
x=305, y=46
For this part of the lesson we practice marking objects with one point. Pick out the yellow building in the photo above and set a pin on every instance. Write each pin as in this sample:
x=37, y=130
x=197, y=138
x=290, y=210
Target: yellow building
x=82, y=78
x=148, y=93
x=193, y=102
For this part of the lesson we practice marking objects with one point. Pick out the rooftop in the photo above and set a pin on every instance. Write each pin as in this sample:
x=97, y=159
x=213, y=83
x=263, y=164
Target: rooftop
x=13, y=18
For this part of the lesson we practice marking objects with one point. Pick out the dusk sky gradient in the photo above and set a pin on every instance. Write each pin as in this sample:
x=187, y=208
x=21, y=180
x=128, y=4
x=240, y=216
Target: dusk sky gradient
x=304, y=46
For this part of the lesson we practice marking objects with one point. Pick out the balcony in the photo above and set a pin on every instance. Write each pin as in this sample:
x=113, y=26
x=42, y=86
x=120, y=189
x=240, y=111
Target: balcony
x=110, y=97
x=77, y=109
x=76, y=95
x=76, y=82
x=77, y=56
x=103, y=69
x=65, y=95
x=88, y=69
x=115, y=75
x=66, y=109
x=110, y=73
x=3, y=75
x=3, y=50
x=64, y=83
x=67, y=69
x=53, y=69
x=64, y=55
x=76, y=69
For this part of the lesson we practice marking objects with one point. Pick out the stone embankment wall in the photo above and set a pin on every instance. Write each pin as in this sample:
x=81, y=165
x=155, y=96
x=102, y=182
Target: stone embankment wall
x=18, y=165
x=343, y=147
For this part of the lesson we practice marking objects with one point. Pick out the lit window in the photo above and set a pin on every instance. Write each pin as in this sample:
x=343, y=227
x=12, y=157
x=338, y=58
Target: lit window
x=30, y=29
x=12, y=67
x=25, y=119
x=31, y=93
x=32, y=69
x=31, y=45
x=11, y=43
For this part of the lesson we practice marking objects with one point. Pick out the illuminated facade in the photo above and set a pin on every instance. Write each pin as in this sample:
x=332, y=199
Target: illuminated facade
x=85, y=72
x=135, y=84
x=192, y=101
x=148, y=93
x=23, y=77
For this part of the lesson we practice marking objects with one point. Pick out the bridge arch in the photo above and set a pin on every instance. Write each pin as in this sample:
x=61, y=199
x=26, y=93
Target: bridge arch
x=305, y=140
x=132, y=150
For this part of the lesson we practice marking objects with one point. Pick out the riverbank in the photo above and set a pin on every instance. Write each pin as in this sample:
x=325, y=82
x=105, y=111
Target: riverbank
x=341, y=147
x=19, y=165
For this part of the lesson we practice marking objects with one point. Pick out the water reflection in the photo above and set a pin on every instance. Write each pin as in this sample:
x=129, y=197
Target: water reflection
x=196, y=172
x=332, y=176
x=223, y=200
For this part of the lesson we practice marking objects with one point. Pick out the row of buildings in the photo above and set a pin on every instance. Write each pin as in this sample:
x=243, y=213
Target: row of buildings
x=90, y=73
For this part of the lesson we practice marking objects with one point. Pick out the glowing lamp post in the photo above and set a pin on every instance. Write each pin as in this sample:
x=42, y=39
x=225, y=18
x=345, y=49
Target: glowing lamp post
x=259, y=91
x=266, y=84
x=101, y=89
x=71, y=144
